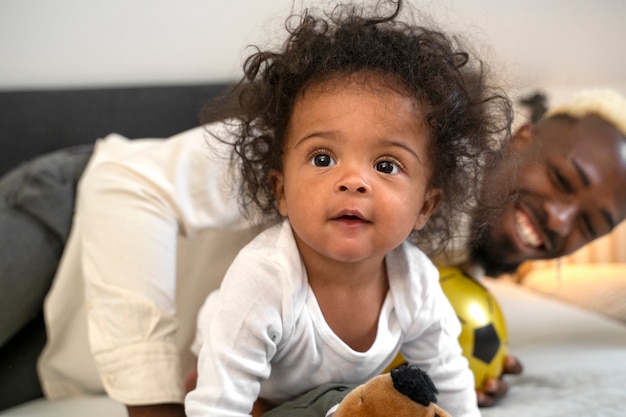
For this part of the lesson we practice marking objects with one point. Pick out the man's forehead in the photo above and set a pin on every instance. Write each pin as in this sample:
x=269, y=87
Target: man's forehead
x=587, y=132
x=593, y=150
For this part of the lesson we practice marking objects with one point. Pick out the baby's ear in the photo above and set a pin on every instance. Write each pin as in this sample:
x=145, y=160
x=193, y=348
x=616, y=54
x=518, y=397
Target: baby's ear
x=431, y=202
x=278, y=184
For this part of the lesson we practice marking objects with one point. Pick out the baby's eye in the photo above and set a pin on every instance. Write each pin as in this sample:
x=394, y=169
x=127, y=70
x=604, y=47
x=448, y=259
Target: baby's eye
x=323, y=160
x=387, y=167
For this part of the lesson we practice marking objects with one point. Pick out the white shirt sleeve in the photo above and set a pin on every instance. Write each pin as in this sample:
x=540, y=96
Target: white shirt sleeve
x=135, y=198
x=433, y=345
x=244, y=324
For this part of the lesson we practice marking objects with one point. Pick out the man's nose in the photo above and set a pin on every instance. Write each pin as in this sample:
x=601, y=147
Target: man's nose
x=560, y=216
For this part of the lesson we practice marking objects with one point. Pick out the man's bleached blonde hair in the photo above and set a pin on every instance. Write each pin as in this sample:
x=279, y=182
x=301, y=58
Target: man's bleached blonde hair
x=605, y=103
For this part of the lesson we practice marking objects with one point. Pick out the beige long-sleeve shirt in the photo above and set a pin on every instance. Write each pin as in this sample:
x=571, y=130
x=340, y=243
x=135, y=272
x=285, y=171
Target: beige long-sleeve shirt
x=147, y=245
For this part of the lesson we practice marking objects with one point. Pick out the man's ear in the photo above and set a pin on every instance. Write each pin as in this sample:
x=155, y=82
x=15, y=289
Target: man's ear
x=278, y=183
x=521, y=137
x=431, y=202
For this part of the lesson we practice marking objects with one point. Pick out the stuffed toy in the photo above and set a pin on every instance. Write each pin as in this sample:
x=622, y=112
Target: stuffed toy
x=406, y=391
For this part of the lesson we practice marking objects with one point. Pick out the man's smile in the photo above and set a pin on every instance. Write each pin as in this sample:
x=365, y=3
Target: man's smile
x=526, y=230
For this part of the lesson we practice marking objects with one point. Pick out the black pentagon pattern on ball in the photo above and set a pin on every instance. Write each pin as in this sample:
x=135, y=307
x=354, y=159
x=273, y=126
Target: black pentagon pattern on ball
x=486, y=343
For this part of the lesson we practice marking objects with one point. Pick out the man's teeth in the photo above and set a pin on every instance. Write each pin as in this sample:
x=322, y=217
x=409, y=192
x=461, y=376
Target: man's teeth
x=526, y=231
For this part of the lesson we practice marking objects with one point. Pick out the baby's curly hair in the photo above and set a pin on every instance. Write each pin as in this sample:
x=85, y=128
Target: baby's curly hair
x=465, y=113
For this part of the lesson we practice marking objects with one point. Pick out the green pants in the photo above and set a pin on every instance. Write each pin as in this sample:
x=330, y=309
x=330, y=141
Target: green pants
x=314, y=403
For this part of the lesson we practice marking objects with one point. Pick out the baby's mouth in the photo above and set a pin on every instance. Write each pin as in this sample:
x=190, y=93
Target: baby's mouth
x=351, y=217
x=526, y=231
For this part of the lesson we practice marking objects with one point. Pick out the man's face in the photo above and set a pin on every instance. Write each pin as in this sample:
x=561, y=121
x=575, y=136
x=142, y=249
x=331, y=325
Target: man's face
x=561, y=185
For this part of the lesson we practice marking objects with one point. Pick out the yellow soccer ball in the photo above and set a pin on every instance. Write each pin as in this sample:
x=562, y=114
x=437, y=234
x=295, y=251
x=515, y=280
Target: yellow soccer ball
x=483, y=336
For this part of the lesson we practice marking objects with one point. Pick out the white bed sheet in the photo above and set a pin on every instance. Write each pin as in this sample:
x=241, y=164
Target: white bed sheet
x=574, y=364
x=574, y=360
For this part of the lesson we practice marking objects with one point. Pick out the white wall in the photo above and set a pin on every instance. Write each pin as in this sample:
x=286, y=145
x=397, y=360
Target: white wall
x=554, y=44
x=103, y=42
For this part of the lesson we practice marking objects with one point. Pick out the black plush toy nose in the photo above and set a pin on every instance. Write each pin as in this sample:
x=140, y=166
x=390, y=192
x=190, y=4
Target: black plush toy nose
x=411, y=381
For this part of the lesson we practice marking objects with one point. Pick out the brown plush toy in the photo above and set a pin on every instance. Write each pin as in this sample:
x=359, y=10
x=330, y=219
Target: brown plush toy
x=406, y=391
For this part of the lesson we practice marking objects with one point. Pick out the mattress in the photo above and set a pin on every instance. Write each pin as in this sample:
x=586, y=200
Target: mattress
x=574, y=360
x=574, y=364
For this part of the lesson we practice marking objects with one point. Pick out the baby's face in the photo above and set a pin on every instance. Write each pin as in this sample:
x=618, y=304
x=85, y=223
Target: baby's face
x=355, y=169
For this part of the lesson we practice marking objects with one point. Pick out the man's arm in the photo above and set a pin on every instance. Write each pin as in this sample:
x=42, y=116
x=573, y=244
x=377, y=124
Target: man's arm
x=157, y=410
x=133, y=204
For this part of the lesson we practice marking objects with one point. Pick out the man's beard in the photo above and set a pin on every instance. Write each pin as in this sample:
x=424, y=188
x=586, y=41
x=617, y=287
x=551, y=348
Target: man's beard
x=483, y=250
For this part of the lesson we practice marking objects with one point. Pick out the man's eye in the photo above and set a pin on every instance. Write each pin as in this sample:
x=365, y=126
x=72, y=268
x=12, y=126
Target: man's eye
x=562, y=182
x=588, y=227
x=386, y=167
x=323, y=160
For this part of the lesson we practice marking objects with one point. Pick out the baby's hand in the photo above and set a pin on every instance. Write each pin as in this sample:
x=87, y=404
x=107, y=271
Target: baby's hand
x=260, y=408
x=496, y=388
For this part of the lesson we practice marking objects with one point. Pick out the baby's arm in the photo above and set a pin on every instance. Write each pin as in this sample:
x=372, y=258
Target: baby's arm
x=239, y=329
x=433, y=345
x=259, y=408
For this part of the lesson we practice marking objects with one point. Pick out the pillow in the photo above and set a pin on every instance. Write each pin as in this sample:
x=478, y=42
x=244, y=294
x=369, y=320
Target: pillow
x=600, y=287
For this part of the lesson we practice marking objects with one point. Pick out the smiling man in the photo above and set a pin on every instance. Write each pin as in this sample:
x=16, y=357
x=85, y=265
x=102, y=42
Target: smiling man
x=558, y=186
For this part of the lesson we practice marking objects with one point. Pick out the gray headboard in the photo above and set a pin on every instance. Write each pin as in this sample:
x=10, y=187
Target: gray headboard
x=36, y=122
